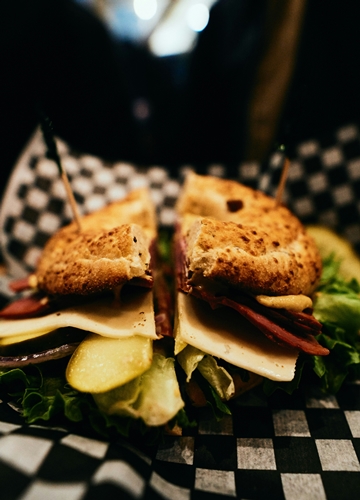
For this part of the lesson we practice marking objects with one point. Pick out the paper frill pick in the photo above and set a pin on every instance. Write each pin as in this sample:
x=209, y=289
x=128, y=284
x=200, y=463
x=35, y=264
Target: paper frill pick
x=283, y=178
x=52, y=153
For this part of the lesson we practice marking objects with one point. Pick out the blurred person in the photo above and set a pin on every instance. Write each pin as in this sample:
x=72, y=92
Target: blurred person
x=272, y=71
x=57, y=57
x=261, y=72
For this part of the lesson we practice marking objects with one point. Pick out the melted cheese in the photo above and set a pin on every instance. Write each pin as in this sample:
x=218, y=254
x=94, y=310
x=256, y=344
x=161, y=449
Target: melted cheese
x=225, y=334
x=133, y=316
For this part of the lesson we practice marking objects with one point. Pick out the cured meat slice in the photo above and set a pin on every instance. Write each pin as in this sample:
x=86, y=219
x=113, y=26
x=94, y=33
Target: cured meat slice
x=26, y=307
x=305, y=342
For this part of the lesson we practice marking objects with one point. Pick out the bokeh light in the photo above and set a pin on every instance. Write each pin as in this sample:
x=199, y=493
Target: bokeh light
x=197, y=16
x=145, y=9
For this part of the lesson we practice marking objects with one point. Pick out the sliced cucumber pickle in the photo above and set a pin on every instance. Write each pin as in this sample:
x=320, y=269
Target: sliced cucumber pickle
x=100, y=364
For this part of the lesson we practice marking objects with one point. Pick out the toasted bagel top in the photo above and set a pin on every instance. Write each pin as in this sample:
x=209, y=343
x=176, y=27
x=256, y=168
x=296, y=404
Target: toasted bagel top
x=223, y=199
x=241, y=237
x=111, y=248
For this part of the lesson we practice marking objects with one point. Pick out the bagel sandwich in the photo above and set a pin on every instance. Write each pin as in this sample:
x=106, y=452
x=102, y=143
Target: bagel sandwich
x=90, y=309
x=246, y=270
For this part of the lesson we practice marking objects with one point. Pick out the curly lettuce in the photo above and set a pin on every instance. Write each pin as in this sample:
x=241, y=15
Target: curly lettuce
x=337, y=307
x=154, y=396
x=41, y=393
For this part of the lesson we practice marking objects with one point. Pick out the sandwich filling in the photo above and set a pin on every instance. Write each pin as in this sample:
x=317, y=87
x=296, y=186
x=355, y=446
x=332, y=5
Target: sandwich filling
x=245, y=271
x=288, y=328
x=93, y=300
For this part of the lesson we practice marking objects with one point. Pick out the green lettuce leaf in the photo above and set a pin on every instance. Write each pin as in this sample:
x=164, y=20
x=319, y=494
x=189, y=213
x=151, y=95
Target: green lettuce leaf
x=219, y=378
x=337, y=307
x=42, y=395
x=340, y=313
x=215, y=381
x=219, y=408
x=189, y=359
x=154, y=396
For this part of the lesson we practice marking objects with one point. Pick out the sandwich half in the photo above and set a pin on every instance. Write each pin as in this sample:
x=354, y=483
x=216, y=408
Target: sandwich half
x=245, y=270
x=91, y=302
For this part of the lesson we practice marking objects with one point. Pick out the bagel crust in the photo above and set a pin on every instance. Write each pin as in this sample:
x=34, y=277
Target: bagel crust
x=221, y=199
x=240, y=237
x=110, y=249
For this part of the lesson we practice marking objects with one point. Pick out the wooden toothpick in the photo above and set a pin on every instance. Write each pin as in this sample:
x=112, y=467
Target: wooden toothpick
x=71, y=199
x=52, y=153
x=281, y=187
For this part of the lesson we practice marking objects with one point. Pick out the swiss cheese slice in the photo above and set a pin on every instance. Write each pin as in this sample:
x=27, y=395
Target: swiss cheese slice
x=225, y=334
x=133, y=316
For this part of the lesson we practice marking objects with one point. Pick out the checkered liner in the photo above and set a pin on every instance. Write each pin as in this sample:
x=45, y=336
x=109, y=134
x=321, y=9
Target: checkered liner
x=35, y=203
x=323, y=185
x=291, y=448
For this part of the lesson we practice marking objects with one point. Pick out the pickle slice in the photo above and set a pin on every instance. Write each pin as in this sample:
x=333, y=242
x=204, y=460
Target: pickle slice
x=100, y=363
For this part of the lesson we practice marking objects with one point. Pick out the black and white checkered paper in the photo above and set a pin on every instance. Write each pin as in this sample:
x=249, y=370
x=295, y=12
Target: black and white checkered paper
x=306, y=446
x=299, y=447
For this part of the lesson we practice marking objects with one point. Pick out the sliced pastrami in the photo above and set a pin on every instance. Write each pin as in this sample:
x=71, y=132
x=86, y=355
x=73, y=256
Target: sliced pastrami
x=282, y=336
x=21, y=284
x=163, y=305
x=26, y=307
x=299, y=322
